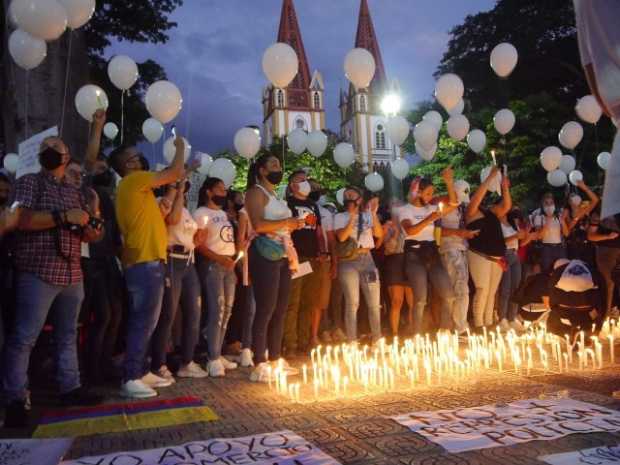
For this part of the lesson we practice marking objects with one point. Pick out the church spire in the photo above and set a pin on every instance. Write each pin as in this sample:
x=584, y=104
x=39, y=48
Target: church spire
x=290, y=33
x=367, y=38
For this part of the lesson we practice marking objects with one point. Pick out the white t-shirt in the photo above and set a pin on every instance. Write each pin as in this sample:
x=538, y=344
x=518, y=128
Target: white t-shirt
x=417, y=215
x=553, y=234
x=183, y=232
x=508, y=231
x=453, y=220
x=327, y=221
x=366, y=240
x=221, y=236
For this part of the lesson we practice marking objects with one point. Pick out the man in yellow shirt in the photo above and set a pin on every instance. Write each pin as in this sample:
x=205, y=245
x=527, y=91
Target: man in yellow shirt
x=143, y=256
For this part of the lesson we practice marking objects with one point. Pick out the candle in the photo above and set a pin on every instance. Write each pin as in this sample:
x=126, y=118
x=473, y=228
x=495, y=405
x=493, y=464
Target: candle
x=304, y=369
x=493, y=156
x=612, y=355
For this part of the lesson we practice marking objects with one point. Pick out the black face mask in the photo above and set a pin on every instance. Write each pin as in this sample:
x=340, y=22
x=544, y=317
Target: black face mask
x=315, y=196
x=275, y=177
x=103, y=179
x=238, y=206
x=50, y=159
x=219, y=200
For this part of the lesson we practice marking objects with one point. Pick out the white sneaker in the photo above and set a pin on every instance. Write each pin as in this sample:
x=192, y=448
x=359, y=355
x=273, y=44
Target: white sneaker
x=517, y=326
x=228, y=365
x=285, y=366
x=165, y=373
x=136, y=389
x=192, y=370
x=246, y=358
x=216, y=369
x=154, y=381
x=261, y=373
x=504, y=325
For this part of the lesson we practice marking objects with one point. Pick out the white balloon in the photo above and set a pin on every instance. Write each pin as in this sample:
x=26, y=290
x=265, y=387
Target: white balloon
x=152, y=130
x=575, y=177
x=123, y=72
x=458, y=127
x=247, y=142
x=400, y=168
x=556, y=178
x=10, y=162
x=89, y=99
x=280, y=64
x=425, y=154
x=344, y=155
x=360, y=67
x=398, y=129
x=27, y=51
x=297, y=141
x=340, y=196
x=457, y=109
x=477, y=140
x=434, y=118
x=425, y=134
x=567, y=163
x=550, y=158
x=504, y=120
x=78, y=12
x=496, y=184
x=205, y=162
x=374, y=182
x=317, y=143
x=504, y=58
x=570, y=135
x=603, y=160
x=449, y=90
x=223, y=169
x=170, y=150
x=163, y=101
x=45, y=19
x=110, y=130
x=588, y=109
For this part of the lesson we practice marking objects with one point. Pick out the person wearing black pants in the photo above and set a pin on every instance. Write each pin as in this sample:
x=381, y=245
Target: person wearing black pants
x=607, y=245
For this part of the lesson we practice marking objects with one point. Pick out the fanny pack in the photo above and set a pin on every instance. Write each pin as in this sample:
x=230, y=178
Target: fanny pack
x=427, y=251
x=268, y=248
x=347, y=250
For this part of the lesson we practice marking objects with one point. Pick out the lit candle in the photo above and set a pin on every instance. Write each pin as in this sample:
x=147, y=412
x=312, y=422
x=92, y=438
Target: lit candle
x=304, y=369
x=612, y=357
x=493, y=156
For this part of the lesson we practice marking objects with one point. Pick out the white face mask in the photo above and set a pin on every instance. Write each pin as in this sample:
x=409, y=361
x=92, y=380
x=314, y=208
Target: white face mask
x=304, y=188
x=549, y=209
x=323, y=200
x=575, y=200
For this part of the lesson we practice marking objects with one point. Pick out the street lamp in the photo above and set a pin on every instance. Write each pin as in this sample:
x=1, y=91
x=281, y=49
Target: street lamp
x=390, y=105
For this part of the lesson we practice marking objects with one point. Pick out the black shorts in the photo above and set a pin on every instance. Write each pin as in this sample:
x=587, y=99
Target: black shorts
x=394, y=270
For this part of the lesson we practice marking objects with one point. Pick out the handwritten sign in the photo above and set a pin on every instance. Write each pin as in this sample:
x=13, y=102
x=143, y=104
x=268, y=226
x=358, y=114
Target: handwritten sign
x=605, y=455
x=29, y=152
x=282, y=448
x=503, y=425
x=33, y=451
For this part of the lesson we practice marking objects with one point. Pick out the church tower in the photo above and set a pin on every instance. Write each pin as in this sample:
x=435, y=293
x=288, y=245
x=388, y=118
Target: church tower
x=302, y=103
x=362, y=122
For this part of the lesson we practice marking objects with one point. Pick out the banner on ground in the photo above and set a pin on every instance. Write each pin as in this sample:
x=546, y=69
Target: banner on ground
x=605, y=455
x=465, y=429
x=29, y=152
x=282, y=448
x=33, y=451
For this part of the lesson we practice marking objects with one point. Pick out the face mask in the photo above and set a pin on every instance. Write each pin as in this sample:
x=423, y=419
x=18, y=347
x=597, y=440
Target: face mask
x=322, y=200
x=304, y=188
x=275, y=177
x=50, y=159
x=238, y=206
x=219, y=200
x=103, y=179
x=549, y=210
x=575, y=200
x=315, y=196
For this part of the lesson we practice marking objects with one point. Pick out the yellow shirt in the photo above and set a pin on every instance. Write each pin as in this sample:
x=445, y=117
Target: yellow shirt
x=145, y=237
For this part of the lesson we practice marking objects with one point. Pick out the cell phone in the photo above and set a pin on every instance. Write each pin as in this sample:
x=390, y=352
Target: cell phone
x=174, y=130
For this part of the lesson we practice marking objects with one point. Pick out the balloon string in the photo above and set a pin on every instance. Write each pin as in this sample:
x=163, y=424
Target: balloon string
x=26, y=106
x=122, y=116
x=64, y=95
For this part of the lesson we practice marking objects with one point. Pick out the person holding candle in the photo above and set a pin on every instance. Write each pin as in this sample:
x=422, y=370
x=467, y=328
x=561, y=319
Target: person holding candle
x=422, y=261
x=271, y=261
x=487, y=250
x=216, y=268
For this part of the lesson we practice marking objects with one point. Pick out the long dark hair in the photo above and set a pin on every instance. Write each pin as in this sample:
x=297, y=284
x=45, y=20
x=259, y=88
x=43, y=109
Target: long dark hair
x=260, y=162
x=210, y=183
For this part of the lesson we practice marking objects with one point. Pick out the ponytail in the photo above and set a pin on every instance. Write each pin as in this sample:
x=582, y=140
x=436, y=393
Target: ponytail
x=260, y=162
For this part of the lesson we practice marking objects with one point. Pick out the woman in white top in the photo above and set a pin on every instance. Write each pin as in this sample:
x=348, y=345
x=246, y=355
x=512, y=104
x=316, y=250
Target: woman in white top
x=269, y=266
x=182, y=287
x=216, y=269
x=551, y=231
x=359, y=227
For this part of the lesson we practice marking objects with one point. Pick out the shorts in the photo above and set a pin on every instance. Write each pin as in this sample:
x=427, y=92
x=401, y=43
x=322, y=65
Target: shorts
x=394, y=270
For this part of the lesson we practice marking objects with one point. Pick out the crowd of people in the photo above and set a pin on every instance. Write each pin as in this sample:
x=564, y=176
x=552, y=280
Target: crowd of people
x=252, y=279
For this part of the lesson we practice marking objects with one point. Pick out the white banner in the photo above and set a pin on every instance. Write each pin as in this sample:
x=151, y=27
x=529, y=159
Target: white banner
x=282, y=448
x=605, y=455
x=29, y=152
x=506, y=424
x=33, y=451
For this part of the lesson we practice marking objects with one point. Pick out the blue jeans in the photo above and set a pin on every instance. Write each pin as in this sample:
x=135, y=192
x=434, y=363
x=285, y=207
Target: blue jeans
x=352, y=275
x=510, y=283
x=145, y=284
x=182, y=286
x=248, y=317
x=549, y=253
x=218, y=284
x=35, y=298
